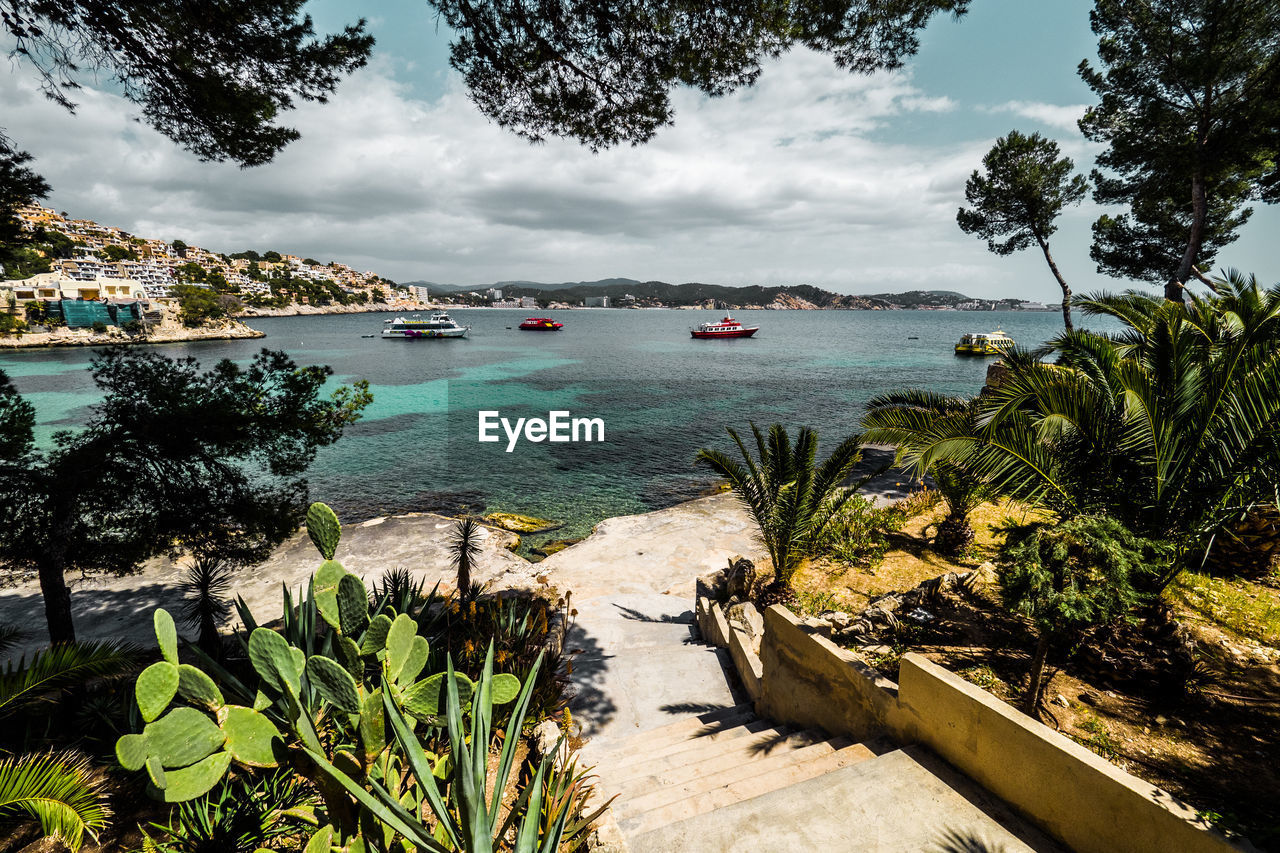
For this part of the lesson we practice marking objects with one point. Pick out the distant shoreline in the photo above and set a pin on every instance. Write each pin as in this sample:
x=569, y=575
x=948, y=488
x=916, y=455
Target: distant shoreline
x=232, y=331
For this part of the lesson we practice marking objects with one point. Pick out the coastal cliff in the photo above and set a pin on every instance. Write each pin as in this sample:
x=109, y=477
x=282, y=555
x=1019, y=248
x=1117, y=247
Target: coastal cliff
x=296, y=310
x=165, y=333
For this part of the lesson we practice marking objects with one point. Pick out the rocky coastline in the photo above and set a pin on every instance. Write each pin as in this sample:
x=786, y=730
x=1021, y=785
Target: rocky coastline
x=165, y=333
x=296, y=310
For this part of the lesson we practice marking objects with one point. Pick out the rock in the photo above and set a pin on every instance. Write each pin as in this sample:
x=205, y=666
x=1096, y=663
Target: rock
x=1062, y=700
x=987, y=572
x=839, y=620
x=817, y=626
x=1162, y=720
x=521, y=523
x=852, y=634
x=545, y=737
x=555, y=546
x=741, y=578
x=746, y=617
x=1088, y=698
x=713, y=585
x=881, y=617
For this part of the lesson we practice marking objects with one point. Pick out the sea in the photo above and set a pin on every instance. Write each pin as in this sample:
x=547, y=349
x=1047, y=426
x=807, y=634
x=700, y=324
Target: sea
x=660, y=394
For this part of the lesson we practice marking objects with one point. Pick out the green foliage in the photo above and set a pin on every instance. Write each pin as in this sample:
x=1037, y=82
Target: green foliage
x=58, y=790
x=19, y=186
x=225, y=451
x=340, y=699
x=1025, y=188
x=17, y=422
x=602, y=73
x=206, y=603
x=920, y=424
x=115, y=253
x=1069, y=577
x=791, y=499
x=1189, y=109
x=243, y=815
x=1168, y=426
x=50, y=670
x=199, y=305
x=858, y=534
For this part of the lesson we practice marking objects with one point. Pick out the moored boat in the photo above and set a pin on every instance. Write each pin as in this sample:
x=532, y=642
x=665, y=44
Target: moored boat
x=984, y=343
x=439, y=325
x=726, y=328
x=541, y=324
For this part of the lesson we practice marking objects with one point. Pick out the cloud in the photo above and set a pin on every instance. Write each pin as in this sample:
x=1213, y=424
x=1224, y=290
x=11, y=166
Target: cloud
x=1057, y=116
x=790, y=181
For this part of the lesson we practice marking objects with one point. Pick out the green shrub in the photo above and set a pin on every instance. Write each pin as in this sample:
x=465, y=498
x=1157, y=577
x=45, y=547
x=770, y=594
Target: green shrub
x=859, y=532
x=99, y=327
x=11, y=325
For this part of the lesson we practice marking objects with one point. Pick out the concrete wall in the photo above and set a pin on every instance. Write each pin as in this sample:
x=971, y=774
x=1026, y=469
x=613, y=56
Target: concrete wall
x=1086, y=802
x=718, y=631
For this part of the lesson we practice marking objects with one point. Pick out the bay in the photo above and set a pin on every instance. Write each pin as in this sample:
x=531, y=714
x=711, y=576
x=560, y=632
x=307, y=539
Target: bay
x=661, y=394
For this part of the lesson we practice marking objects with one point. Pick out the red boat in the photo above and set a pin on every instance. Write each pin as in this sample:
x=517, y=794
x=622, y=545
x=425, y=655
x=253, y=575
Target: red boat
x=541, y=324
x=726, y=328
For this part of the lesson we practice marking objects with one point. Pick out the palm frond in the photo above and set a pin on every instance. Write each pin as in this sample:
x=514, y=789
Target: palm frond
x=61, y=666
x=59, y=791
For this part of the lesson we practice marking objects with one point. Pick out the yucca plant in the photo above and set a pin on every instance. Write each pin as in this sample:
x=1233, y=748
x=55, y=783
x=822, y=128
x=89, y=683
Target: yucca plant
x=917, y=423
x=464, y=549
x=791, y=498
x=205, y=605
x=57, y=789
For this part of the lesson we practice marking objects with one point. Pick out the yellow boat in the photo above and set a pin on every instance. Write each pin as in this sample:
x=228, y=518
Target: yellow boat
x=990, y=343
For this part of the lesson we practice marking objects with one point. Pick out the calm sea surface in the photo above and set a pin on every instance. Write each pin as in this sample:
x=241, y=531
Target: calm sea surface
x=661, y=394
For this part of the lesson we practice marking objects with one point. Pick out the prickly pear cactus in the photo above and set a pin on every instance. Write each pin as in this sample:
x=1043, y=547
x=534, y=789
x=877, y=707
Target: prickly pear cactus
x=324, y=529
x=188, y=749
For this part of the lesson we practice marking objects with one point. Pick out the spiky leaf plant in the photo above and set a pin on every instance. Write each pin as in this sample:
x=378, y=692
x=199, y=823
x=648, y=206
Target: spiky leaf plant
x=464, y=549
x=206, y=603
x=59, y=791
x=790, y=497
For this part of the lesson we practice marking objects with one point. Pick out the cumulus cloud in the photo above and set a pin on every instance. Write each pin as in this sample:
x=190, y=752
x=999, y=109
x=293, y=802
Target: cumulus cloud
x=788, y=182
x=1057, y=116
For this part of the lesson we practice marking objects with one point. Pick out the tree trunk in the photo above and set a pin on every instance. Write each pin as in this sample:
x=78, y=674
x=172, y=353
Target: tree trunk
x=1035, y=681
x=1173, y=290
x=57, y=601
x=1062, y=282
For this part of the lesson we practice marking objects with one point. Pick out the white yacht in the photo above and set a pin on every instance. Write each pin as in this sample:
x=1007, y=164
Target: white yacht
x=440, y=325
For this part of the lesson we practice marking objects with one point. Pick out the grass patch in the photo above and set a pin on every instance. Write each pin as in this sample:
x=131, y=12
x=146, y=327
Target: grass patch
x=811, y=602
x=1247, y=609
x=1097, y=738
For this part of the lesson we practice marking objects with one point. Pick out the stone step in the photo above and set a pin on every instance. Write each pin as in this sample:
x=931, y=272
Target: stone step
x=742, y=790
x=734, y=741
x=644, y=795
x=693, y=722
x=647, y=744
x=628, y=756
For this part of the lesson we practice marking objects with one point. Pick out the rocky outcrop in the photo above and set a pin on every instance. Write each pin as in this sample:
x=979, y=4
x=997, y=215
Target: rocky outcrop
x=313, y=310
x=165, y=333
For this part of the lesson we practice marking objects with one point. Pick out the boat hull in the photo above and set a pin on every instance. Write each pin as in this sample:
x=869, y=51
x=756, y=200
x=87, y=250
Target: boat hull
x=554, y=328
x=962, y=349
x=736, y=333
x=415, y=334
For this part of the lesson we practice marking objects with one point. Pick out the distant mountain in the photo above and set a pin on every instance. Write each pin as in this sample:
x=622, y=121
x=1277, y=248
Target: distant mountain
x=566, y=285
x=915, y=298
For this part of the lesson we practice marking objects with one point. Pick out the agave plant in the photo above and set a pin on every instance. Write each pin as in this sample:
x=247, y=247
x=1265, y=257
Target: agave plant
x=791, y=499
x=59, y=790
x=916, y=423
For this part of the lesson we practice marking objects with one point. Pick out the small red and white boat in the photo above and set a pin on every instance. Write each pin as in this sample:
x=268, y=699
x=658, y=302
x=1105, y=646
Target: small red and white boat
x=541, y=324
x=726, y=328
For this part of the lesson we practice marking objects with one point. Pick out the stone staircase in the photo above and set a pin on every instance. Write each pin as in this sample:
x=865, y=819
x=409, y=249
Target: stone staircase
x=709, y=761
x=728, y=780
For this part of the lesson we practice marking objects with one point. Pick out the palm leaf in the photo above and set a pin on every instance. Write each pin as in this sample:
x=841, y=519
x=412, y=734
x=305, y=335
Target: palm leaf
x=58, y=790
x=61, y=666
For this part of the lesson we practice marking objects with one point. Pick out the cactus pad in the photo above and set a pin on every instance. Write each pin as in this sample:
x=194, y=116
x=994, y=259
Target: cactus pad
x=183, y=736
x=321, y=842
x=325, y=583
x=399, y=643
x=272, y=658
x=156, y=771
x=166, y=635
x=373, y=726
x=131, y=752
x=196, y=780
x=198, y=688
x=353, y=606
x=334, y=684
x=426, y=698
x=324, y=529
x=419, y=651
x=251, y=737
x=504, y=688
x=348, y=654
x=156, y=687
x=375, y=636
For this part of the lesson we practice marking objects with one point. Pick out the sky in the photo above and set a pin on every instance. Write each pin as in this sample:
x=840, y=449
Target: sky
x=813, y=176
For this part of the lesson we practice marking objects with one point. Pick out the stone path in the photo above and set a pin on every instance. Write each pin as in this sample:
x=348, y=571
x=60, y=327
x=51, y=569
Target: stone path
x=107, y=607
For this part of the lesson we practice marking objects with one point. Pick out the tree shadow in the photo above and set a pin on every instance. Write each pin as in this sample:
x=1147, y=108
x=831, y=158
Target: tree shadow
x=588, y=664
x=633, y=615
x=963, y=841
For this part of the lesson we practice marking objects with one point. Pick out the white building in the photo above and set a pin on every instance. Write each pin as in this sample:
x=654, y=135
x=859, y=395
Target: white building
x=596, y=302
x=56, y=285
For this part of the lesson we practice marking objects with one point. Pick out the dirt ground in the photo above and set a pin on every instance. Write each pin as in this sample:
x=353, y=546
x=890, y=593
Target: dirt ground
x=1215, y=746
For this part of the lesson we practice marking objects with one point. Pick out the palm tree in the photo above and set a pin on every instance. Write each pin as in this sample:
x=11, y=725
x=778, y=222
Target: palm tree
x=58, y=790
x=791, y=500
x=464, y=548
x=1171, y=426
x=64, y=665
x=918, y=424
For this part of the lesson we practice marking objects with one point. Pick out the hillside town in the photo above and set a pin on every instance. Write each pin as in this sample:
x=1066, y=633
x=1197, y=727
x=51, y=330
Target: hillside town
x=78, y=273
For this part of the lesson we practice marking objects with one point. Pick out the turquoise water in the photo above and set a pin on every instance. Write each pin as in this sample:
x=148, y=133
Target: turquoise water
x=661, y=394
